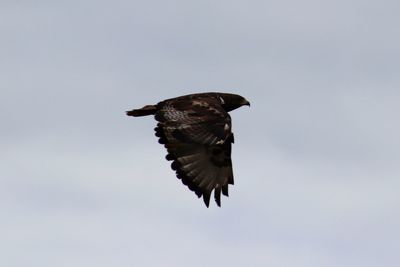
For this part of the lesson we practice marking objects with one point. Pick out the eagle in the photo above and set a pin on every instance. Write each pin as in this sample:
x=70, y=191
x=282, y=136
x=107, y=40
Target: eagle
x=196, y=130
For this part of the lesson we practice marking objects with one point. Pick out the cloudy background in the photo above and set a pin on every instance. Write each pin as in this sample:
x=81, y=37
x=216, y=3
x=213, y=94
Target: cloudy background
x=316, y=158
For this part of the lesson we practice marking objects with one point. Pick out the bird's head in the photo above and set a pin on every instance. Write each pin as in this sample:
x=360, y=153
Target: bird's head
x=231, y=101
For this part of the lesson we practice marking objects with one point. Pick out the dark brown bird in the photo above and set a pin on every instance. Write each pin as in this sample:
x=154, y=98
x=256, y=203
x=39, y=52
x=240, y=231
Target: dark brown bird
x=196, y=130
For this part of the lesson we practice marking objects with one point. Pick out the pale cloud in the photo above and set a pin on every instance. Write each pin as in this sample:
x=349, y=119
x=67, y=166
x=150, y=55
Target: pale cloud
x=315, y=159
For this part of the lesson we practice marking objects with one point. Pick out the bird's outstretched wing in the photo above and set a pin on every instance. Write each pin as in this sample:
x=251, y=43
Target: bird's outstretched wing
x=197, y=135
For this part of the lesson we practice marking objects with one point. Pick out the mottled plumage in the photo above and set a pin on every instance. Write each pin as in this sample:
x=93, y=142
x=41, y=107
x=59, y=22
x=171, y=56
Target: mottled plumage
x=196, y=130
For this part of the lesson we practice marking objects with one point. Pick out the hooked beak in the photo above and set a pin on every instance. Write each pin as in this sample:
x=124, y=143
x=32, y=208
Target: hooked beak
x=246, y=103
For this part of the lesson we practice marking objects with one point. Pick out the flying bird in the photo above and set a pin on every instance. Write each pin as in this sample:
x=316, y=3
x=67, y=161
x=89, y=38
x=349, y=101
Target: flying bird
x=196, y=130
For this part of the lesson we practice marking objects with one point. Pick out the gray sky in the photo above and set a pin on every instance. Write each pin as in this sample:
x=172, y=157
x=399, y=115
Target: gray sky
x=316, y=157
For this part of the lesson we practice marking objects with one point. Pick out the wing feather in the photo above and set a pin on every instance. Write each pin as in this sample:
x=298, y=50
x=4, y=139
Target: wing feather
x=197, y=135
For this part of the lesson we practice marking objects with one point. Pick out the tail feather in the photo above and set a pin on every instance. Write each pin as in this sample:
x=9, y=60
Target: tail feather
x=144, y=111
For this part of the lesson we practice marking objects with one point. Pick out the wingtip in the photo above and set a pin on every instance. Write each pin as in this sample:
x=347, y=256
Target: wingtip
x=225, y=190
x=206, y=199
x=217, y=196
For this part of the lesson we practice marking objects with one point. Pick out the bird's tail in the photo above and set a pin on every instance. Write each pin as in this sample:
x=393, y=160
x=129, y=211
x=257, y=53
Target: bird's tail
x=144, y=111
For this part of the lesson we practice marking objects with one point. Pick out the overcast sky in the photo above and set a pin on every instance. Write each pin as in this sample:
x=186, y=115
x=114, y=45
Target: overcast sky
x=316, y=157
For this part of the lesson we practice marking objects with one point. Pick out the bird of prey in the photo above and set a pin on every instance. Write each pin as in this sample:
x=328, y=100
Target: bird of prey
x=196, y=130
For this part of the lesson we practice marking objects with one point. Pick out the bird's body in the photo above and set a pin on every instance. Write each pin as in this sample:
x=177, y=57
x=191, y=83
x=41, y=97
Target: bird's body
x=196, y=131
